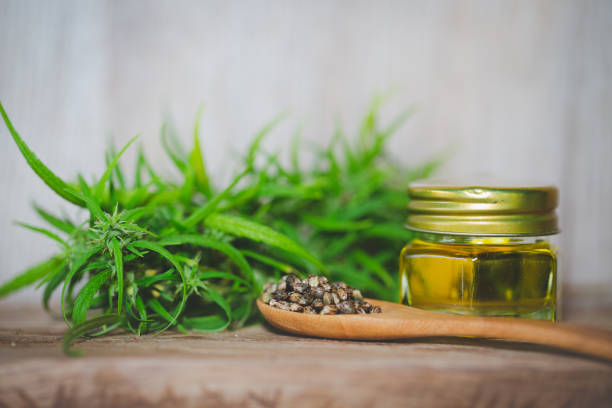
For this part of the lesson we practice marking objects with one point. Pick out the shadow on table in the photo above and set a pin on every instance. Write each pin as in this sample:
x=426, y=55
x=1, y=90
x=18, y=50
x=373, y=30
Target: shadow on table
x=455, y=341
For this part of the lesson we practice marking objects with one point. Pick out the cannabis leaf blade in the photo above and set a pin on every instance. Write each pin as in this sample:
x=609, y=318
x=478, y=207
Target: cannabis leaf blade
x=58, y=185
x=257, y=232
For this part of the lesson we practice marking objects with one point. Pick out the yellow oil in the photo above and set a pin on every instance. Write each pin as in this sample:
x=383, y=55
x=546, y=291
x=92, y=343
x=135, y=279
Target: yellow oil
x=488, y=276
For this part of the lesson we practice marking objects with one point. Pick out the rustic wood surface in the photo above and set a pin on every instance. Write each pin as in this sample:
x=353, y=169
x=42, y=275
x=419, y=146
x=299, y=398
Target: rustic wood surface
x=260, y=367
x=400, y=322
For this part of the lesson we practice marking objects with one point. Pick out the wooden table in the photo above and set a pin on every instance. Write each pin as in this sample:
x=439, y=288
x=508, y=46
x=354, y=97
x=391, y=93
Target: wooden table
x=259, y=367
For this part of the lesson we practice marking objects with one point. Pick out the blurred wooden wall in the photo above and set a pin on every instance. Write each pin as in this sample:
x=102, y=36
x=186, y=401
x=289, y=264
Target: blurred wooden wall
x=512, y=88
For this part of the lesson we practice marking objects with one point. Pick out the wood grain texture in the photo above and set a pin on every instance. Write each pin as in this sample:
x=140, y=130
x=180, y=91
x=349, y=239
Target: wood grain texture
x=259, y=367
x=399, y=322
x=513, y=88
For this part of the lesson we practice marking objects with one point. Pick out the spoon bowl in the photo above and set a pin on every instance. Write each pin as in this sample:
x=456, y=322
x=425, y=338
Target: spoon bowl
x=402, y=322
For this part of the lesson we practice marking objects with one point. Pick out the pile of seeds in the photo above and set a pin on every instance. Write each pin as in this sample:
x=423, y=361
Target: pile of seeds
x=315, y=295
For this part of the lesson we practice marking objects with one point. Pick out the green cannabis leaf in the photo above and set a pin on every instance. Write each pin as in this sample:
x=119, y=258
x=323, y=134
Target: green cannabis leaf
x=154, y=254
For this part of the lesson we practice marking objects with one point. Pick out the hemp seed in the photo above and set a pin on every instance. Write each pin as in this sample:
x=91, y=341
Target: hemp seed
x=316, y=294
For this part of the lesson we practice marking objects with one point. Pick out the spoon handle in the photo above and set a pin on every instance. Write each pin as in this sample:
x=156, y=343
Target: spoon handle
x=591, y=341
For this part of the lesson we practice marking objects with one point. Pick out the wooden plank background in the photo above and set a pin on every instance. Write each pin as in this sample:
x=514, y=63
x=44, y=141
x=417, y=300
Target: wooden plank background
x=259, y=367
x=512, y=88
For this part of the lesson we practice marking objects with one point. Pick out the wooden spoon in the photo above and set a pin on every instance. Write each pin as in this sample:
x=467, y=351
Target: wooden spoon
x=401, y=322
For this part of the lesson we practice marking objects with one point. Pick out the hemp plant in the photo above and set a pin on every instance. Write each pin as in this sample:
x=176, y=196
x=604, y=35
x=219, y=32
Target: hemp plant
x=153, y=253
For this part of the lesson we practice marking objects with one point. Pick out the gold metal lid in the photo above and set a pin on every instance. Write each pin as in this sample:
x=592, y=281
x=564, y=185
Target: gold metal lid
x=483, y=209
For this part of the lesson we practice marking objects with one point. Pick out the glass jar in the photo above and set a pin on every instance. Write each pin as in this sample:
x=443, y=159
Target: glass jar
x=481, y=250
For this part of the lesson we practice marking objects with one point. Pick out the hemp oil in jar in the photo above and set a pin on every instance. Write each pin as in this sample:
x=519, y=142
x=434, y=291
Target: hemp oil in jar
x=481, y=250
